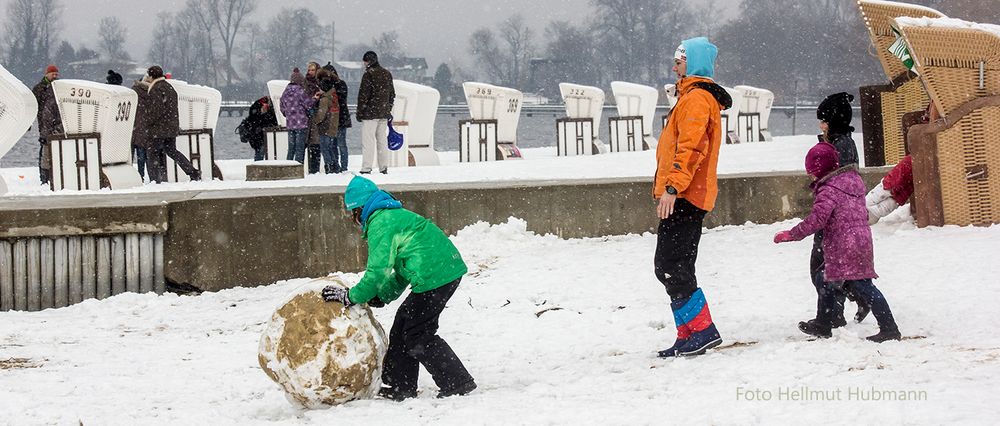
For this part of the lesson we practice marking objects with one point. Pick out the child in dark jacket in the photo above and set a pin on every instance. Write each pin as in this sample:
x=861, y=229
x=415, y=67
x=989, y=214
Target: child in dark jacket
x=839, y=212
x=835, y=115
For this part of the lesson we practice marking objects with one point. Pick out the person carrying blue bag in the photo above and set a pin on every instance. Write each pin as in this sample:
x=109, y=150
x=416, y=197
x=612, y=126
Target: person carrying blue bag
x=406, y=250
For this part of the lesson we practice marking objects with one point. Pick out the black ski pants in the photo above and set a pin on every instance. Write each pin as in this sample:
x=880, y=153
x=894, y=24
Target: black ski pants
x=677, y=249
x=413, y=341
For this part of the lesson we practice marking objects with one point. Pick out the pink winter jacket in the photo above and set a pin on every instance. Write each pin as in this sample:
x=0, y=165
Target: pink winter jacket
x=839, y=211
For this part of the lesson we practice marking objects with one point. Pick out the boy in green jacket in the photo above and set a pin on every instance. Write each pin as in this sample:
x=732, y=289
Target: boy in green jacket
x=405, y=249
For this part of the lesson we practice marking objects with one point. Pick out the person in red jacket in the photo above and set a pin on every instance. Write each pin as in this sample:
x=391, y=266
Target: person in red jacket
x=894, y=190
x=896, y=187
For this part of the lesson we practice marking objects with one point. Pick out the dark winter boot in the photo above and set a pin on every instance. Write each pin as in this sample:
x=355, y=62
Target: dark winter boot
x=330, y=168
x=885, y=336
x=700, y=342
x=692, y=314
x=672, y=351
x=682, y=329
x=462, y=389
x=394, y=394
x=816, y=328
x=837, y=322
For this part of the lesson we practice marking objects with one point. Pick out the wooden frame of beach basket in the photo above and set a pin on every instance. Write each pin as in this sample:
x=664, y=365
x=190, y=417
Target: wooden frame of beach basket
x=883, y=106
x=956, y=160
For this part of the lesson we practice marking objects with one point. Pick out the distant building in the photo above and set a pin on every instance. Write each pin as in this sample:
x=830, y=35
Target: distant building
x=96, y=69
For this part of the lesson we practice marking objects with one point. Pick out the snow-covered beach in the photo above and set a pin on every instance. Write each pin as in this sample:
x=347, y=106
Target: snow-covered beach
x=556, y=332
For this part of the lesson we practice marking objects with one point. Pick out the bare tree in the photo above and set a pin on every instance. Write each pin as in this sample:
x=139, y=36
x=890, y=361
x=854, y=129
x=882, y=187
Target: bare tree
x=289, y=40
x=112, y=38
x=31, y=29
x=50, y=21
x=637, y=37
x=573, y=53
x=520, y=46
x=706, y=18
x=224, y=18
x=505, y=59
x=483, y=47
x=252, y=51
x=183, y=47
x=388, y=47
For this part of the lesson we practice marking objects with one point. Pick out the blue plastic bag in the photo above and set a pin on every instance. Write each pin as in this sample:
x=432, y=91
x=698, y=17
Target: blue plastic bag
x=395, y=139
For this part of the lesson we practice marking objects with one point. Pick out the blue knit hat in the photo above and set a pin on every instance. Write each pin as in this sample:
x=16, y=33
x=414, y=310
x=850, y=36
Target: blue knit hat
x=358, y=192
x=700, y=56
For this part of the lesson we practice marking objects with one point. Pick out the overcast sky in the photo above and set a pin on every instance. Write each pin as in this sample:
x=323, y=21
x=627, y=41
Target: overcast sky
x=436, y=29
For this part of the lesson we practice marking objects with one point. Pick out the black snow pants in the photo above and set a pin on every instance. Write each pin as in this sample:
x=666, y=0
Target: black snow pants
x=413, y=341
x=677, y=249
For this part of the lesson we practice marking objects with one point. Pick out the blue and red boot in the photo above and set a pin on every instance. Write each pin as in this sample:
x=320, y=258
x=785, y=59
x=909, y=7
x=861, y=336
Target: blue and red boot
x=692, y=314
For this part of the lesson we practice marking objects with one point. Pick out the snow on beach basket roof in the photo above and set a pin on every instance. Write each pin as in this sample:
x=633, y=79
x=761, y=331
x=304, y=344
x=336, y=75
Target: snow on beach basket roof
x=945, y=22
x=956, y=59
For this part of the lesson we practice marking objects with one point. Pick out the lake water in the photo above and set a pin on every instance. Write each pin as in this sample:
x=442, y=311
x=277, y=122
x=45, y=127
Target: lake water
x=535, y=130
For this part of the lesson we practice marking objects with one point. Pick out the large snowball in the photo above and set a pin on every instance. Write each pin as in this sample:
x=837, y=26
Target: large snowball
x=320, y=352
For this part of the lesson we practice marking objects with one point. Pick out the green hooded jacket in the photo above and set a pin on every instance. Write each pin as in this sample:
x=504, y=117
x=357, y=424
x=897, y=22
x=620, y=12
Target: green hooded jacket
x=404, y=249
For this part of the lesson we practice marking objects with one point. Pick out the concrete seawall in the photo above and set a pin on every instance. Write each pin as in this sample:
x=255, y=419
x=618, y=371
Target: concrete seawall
x=221, y=239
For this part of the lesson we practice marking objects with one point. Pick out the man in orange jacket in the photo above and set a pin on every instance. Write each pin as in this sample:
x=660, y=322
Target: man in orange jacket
x=685, y=185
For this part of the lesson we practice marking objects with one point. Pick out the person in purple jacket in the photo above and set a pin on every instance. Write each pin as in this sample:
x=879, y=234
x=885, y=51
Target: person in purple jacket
x=839, y=212
x=295, y=104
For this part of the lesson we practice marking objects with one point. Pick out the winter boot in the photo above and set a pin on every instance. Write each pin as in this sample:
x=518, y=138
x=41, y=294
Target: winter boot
x=816, y=327
x=692, y=314
x=682, y=329
x=395, y=394
x=329, y=168
x=700, y=342
x=672, y=351
x=837, y=322
x=885, y=336
x=462, y=389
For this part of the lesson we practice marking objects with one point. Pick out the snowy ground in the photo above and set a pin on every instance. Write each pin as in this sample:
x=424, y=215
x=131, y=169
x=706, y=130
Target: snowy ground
x=783, y=154
x=146, y=359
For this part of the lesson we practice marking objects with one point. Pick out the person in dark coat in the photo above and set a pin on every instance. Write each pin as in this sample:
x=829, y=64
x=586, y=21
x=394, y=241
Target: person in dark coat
x=162, y=127
x=345, y=116
x=839, y=211
x=312, y=86
x=49, y=120
x=261, y=116
x=834, y=115
x=114, y=78
x=140, y=138
x=375, y=99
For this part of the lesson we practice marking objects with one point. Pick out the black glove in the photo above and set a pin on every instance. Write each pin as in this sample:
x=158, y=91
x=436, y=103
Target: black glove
x=376, y=302
x=335, y=293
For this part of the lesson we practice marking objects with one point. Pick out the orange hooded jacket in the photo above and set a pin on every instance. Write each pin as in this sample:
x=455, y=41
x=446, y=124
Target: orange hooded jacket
x=688, y=150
